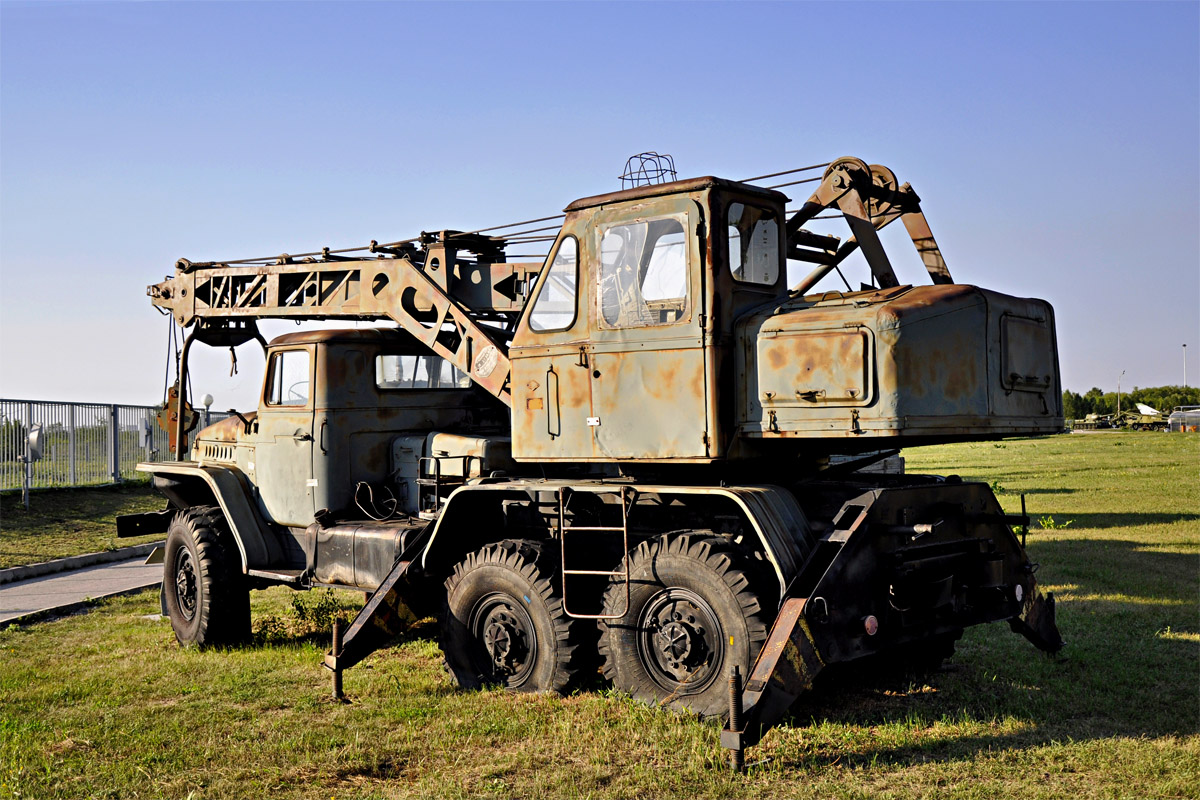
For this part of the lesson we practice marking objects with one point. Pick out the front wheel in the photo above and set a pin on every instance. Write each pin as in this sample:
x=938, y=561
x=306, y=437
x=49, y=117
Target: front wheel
x=694, y=612
x=503, y=621
x=207, y=598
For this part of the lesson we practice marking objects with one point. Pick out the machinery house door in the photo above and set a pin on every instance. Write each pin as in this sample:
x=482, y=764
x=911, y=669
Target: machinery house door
x=648, y=359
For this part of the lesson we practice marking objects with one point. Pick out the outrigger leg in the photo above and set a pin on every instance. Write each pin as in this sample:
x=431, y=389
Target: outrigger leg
x=789, y=662
x=380, y=620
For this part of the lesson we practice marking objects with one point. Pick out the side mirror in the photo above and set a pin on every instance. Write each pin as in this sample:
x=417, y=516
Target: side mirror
x=35, y=443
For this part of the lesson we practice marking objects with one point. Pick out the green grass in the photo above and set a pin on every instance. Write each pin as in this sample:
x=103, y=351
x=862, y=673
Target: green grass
x=105, y=704
x=70, y=522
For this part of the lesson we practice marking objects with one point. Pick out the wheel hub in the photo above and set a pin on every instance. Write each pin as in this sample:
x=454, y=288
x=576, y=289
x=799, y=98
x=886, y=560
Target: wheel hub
x=680, y=641
x=185, y=583
x=505, y=631
x=500, y=638
x=676, y=641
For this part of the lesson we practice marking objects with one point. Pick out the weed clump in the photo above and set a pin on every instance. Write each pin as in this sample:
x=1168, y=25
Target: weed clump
x=310, y=616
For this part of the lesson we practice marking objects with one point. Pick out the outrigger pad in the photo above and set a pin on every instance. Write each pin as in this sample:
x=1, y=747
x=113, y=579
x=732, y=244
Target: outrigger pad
x=1037, y=623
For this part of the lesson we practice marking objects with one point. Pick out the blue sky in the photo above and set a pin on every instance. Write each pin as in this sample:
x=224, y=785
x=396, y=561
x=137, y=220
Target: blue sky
x=1056, y=147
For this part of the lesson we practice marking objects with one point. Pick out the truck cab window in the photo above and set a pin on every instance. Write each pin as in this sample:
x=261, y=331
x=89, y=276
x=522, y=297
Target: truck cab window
x=288, y=384
x=418, y=372
x=643, y=273
x=554, y=309
x=753, y=244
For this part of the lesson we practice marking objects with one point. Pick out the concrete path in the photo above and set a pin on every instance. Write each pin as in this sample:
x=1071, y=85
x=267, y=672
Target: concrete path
x=66, y=591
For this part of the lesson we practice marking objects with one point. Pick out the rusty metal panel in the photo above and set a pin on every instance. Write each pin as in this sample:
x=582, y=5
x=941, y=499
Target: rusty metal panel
x=649, y=403
x=942, y=362
x=820, y=367
x=283, y=441
x=623, y=386
x=255, y=539
x=1024, y=342
x=773, y=513
x=552, y=401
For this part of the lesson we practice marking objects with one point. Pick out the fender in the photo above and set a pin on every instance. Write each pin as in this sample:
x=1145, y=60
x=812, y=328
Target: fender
x=257, y=544
x=773, y=512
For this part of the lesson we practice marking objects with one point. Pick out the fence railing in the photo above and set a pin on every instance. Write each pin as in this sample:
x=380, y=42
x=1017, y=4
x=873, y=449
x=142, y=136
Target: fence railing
x=85, y=443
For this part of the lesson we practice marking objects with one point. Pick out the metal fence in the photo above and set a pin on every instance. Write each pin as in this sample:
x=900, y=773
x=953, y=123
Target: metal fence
x=85, y=443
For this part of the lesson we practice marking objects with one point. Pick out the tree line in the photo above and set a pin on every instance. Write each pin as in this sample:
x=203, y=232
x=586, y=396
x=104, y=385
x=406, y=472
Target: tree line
x=1094, y=401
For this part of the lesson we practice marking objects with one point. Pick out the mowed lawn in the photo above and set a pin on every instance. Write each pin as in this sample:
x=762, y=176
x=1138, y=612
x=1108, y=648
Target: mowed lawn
x=105, y=704
x=70, y=522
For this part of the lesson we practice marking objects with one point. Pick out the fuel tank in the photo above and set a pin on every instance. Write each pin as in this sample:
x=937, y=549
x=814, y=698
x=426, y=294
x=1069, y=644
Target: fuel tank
x=900, y=366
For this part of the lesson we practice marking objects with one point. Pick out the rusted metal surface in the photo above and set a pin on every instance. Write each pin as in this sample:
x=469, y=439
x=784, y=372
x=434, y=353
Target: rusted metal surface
x=658, y=357
x=786, y=667
x=774, y=519
x=168, y=418
x=871, y=198
x=437, y=296
x=377, y=623
x=932, y=363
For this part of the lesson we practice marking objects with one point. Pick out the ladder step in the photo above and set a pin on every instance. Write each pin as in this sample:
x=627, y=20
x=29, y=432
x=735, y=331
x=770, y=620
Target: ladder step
x=610, y=573
x=593, y=528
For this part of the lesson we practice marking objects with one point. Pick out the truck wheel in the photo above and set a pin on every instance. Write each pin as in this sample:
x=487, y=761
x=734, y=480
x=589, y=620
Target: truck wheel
x=503, y=622
x=694, y=612
x=207, y=598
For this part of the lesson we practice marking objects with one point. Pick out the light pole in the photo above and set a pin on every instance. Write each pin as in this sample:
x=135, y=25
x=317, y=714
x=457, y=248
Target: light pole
x=1185, y=365
x=207, y=400
x=1122, y=375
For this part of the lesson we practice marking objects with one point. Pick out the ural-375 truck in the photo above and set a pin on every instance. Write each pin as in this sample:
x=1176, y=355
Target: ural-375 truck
x=618, y=458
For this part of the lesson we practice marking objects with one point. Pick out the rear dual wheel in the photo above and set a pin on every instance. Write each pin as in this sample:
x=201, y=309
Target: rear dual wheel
x=695, y=611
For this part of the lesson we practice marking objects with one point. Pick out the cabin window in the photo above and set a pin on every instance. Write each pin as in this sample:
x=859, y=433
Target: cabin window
x=418, y=372
x=554, y=309
x=753, y=244
x=288, y=384
x=643, y=273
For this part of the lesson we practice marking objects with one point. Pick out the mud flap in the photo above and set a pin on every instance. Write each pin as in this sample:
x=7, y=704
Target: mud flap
x=785, y=668
x=1037, y=622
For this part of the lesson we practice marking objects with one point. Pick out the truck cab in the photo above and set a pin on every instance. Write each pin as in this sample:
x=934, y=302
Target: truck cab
x=361, y=424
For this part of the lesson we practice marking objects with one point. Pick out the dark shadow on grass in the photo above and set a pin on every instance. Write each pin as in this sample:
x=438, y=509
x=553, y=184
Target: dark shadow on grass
x=1122, y=520
x=1125, y=671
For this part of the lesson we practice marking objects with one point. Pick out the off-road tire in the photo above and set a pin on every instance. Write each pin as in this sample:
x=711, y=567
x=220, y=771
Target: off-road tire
x=207, y=596
x=503, y=622
x=705, y=579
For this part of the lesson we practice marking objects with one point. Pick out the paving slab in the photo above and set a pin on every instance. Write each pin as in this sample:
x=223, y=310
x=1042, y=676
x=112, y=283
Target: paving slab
x=65, y=591
x=12, y=574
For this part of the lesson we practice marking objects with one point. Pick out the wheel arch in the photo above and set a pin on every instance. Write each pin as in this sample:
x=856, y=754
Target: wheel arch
x=229, y=489
x=775, y=517
x=471, y=519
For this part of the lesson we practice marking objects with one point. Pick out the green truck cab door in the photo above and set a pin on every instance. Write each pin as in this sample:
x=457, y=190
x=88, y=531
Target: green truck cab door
x=283, y=443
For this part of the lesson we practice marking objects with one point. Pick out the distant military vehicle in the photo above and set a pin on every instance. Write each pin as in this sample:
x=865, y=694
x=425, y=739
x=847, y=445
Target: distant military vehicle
x=1144, y=418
